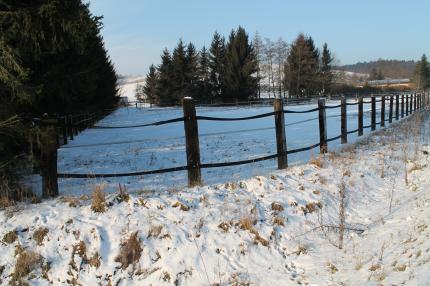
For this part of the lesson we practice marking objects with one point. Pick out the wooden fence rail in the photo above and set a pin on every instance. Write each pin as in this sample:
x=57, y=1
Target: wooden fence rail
x=71, y=125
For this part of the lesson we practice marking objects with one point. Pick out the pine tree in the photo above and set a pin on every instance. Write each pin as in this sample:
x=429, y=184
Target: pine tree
x=149, y=90
x=325, y=71
x=165, y=88
x=216, y=65
x=240, y=78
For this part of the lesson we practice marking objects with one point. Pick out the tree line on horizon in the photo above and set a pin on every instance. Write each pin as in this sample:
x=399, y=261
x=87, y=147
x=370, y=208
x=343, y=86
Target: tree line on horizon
x=238, y=69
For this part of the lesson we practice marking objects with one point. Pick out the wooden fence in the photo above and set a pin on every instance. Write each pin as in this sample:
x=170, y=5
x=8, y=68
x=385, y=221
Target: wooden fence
x=405, y=105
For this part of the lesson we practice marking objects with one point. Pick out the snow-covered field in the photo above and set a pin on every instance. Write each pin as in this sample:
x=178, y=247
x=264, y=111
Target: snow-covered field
x=151, y=148
x=277, y=229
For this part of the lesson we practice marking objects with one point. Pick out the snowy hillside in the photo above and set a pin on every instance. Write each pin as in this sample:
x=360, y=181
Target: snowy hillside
x=127, y=86
x=279, y=229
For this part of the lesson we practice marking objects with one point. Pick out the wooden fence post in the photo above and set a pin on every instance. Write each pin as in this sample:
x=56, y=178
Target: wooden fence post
x=415, y=102
x=343, y=123
x=192, y=142
x=373, y=113
x=281, y=142
x=390, y=115
x=49, y=162
x=403, y=106
x=397, y=107
x=71, y=132
x=322, y=125
x=407, y=104
x=383, y=111
x=64, y=130
x=411, y=104
x=360, y=116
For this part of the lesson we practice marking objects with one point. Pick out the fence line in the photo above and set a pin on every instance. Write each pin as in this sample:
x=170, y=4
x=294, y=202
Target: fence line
x=190, y=119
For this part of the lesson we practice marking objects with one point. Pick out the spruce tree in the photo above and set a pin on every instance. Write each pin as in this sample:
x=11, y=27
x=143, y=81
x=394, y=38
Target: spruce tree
x=204, y=76
x=422, y=74
x=216, y=65
x=191, y=72
x=179, y=72
x=241, y=67
x=325, y=72
x=165, y=87
x=150, y=88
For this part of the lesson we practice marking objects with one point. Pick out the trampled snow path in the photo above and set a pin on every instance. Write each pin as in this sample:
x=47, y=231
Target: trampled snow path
x=151, y=148
x=265, y=230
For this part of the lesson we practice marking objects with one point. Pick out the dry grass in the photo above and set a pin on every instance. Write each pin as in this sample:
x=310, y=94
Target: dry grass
x=316, y=161
x=247, y=223
x=130, y=251
x=225, y=226
x=27, y=261
x=278, y=221
x=277, y=207
x=39, y=235
x=71, y=201
x=10, y=237
x=154, y=231
x=99, y=199
x=182, y=206
x=122, y=196
x=95, y=260
x=311, y=207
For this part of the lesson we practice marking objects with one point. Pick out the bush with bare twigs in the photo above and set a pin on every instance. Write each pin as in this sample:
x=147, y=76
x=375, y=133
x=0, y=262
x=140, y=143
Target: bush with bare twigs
x=130, y=251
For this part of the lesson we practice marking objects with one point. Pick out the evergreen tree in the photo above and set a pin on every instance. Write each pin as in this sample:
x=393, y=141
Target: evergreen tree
x=302, y=66
x=191, y=72
x=325, y=71
x=203, y=75
x=179, y=72
x=165, y=87
x=149, y=90
x=240, y=67
x=422, y=74
x=216, y=65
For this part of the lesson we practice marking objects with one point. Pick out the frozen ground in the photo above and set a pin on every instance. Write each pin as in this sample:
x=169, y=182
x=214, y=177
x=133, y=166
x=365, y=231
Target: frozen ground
x=151, y=148
x=278, y=229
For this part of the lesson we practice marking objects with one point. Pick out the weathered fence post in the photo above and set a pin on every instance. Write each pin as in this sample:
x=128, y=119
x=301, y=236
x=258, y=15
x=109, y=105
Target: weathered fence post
x=373, y=113
x=360, y=116
x=403, y=106
x=397, y=107
x=407, y=104
x=64, y=130
x=281, y=142
x=343, y=123
x=192, y=142
x=49, y=162
x=322, y=125
x=415, y=102
x=383, y=111
x=390, y=115
x=71, y=132
x=411, y=104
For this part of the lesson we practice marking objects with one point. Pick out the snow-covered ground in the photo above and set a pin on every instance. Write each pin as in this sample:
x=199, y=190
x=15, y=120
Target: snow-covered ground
x=151, y=148
x=277, y=229
x=127, y=87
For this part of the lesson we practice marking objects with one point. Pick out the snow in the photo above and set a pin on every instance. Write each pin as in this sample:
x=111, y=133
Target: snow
x=127, y=87
x=204, y=242
x=151, y=148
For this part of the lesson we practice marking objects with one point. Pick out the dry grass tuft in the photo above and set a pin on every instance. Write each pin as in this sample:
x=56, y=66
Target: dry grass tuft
x=375, y=267
x=277, y=207
x=10, y=237
x=278, y=221
x=99, y=199
x=130, y=251
x=246, y=223
x=331, y=267
x=95, y=260
x=39, y=235
x=311, y=207
x=225, y=226
x=400, y=268
x=71, y=201
x=6, y=202
x=154, y=231
x=122, y=196
x=316, y=161
x=183, y=207
x=27, y=261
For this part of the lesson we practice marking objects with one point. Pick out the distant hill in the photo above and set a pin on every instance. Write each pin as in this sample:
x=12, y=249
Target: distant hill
x=394, y=69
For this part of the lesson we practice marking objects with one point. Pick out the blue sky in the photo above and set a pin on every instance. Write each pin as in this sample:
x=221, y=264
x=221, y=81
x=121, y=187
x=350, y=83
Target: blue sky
x=136, y=31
